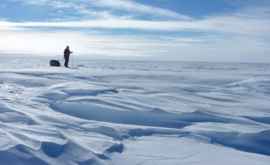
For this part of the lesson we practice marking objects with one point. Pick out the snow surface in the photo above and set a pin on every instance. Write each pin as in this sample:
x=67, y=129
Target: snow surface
x=123, y=112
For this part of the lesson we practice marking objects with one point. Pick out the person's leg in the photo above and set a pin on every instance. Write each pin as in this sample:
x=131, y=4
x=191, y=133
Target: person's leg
x=66, y=61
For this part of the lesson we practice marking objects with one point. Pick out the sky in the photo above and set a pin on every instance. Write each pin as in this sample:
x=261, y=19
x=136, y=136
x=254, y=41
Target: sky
x=184, y=30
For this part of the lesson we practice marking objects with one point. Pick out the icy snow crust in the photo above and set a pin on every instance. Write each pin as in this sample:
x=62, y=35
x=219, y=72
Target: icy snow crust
x=123, y=112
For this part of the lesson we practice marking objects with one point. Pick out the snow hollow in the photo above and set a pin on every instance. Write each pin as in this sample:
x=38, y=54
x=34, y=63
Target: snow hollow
x=103, y=112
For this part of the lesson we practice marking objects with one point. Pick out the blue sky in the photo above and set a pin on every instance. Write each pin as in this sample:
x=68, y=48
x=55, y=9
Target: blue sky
x=208, y=30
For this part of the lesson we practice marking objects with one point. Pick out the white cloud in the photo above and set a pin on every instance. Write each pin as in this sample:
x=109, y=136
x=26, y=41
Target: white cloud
x=240, y=25
x=105, y=8
x=132, y=6
x=247, y=21
x=210, y=48
x=52, y=43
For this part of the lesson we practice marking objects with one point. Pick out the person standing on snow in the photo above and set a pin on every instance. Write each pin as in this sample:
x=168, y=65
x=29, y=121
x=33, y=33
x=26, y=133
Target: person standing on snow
x=67, y=53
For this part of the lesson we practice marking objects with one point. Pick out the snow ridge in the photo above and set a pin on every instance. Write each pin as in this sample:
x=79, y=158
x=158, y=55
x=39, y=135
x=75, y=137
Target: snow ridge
x=134, y=113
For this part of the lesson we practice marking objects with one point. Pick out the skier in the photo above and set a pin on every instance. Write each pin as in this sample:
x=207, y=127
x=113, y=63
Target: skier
x=67, y=53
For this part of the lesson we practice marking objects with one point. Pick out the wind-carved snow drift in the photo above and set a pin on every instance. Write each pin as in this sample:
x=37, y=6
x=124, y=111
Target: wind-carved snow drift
x=108, y=112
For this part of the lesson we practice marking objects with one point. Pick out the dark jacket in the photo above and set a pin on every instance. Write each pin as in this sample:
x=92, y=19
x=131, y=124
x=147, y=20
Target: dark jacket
x=67, y=52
